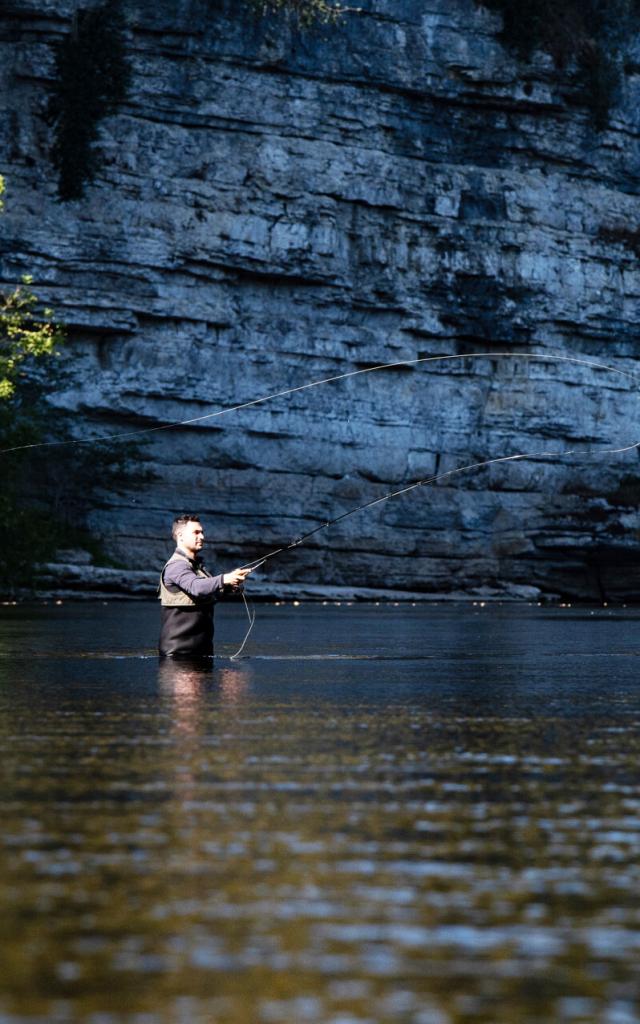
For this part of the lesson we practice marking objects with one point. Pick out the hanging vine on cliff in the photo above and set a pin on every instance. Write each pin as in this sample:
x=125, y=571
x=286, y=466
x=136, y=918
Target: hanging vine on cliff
x=92, y=77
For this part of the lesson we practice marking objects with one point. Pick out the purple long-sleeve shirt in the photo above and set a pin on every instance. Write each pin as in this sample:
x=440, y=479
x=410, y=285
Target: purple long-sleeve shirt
x=182, y=575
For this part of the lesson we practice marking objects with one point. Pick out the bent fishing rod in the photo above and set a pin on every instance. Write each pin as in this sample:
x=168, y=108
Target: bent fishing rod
x=397, y=492
x=296, y=542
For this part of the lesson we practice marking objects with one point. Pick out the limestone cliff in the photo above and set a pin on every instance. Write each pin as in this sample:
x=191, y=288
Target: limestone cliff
x=273, y=207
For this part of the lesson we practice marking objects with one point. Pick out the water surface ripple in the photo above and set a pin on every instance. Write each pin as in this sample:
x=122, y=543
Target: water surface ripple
x=421, y=815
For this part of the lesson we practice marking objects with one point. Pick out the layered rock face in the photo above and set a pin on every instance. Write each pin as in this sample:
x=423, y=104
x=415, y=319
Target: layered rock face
x=275, y=207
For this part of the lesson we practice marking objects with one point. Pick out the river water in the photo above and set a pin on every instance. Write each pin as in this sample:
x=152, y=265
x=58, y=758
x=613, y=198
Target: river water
x=417, y=815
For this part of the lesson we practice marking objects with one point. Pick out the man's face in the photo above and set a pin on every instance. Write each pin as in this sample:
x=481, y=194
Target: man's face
x=191, y=536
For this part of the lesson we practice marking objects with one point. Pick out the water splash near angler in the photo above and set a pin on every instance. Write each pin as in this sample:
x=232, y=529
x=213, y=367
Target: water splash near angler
x=549, y=357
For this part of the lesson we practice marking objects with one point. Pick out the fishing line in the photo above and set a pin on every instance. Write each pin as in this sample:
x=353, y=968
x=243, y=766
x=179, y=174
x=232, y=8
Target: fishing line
x=432, y=480
x=542, y=357
x=251, y=613
x=410, y=487
x=125, y=436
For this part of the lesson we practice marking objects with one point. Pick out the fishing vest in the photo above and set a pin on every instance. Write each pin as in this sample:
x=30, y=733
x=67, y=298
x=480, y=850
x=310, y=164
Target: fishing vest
x=186, y=624
x=180, y=599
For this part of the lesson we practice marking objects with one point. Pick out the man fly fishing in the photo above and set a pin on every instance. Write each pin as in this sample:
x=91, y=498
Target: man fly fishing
x=188, y=594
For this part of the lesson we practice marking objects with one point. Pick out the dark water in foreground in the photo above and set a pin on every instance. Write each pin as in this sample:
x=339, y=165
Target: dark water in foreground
x=413, y=815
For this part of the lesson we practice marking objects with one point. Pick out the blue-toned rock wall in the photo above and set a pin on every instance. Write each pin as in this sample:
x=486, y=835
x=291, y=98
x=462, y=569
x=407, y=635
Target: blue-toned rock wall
x=275, y=206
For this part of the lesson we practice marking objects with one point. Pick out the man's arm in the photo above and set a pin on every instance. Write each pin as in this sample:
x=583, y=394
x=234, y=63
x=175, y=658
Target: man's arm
x=180, y=574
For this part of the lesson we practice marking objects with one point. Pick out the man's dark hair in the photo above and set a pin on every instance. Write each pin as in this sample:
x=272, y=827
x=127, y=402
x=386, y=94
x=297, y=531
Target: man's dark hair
x=182, y=520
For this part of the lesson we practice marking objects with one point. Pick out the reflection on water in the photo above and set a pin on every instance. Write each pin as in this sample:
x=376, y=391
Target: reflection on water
x=445, y=835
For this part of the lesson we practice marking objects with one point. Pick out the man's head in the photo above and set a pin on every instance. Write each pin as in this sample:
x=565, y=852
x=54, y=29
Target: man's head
x=188, y=533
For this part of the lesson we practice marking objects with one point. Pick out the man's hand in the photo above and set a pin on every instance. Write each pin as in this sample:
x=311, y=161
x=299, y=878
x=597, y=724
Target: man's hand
x=235, y=578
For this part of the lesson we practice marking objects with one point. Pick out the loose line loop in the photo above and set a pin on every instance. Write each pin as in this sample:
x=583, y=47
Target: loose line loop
x=540, y=356
x=531, y=356
x=251, y=614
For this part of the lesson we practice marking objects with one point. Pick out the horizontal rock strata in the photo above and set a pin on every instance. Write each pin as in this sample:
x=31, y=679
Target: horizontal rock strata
x=273, y=207
x=78, y=579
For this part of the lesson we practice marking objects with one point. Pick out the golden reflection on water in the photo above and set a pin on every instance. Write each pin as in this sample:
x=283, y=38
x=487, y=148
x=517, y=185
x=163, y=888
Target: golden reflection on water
x=234, y=684
x=205, y=854
x=184, y=683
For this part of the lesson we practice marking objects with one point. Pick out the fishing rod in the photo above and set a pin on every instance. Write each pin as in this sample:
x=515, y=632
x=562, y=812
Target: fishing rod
x=432, y=480
x=451, y=357
x=424, y=482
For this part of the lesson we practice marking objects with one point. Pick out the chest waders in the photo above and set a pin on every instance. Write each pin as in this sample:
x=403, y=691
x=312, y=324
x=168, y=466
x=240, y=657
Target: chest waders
x=186, y=623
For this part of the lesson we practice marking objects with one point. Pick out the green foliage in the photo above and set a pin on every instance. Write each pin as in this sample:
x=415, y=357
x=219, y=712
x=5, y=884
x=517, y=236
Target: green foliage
x=49, y=486
x=92, y=77
x=24, y=334
x=26, y=532
x=591, y=33
x=305, y=12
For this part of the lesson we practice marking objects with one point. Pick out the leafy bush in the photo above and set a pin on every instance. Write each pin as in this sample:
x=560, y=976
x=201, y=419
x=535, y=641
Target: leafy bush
x=24, y=334
x=92, y=77
x=47, y=487
x=593, y=33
